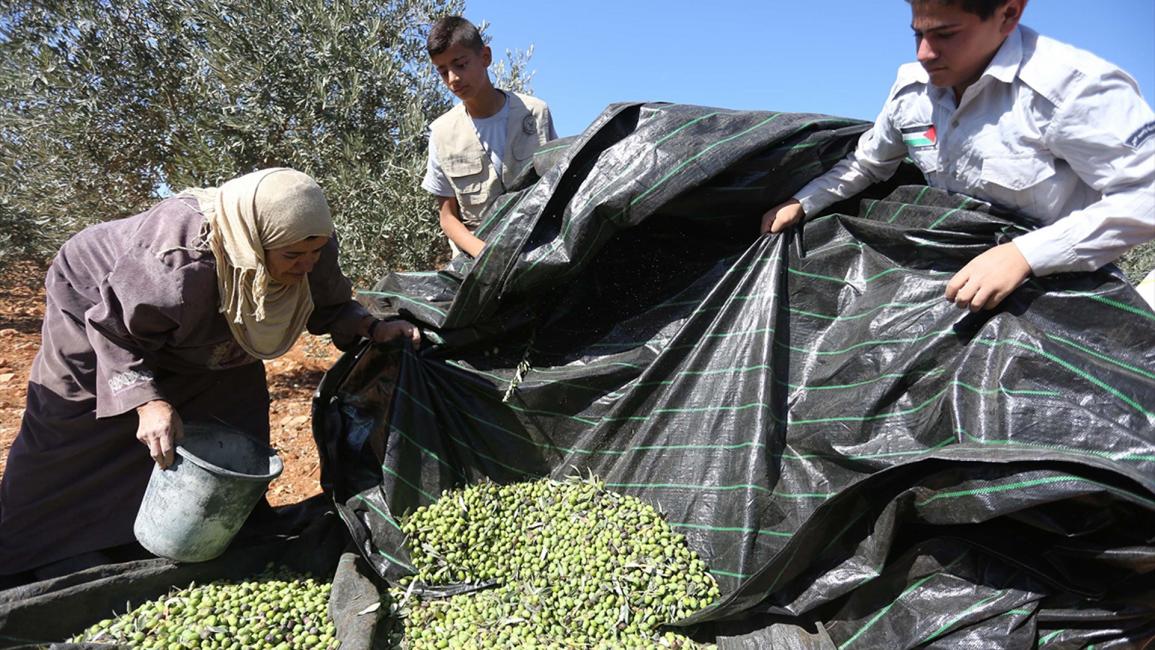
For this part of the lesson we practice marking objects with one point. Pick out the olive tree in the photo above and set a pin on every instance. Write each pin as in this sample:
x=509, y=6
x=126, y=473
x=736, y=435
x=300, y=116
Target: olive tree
x=107, y=104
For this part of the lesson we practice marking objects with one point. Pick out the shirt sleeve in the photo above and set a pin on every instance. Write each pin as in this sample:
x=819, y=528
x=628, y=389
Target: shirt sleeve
x=1106, y=133
x=139, y=308
x=435, y=181
x=879, y=153
x=335, y=312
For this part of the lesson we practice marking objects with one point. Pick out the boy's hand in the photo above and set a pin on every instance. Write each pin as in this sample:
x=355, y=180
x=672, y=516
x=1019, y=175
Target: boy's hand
x=782, y=216
x=989, y=278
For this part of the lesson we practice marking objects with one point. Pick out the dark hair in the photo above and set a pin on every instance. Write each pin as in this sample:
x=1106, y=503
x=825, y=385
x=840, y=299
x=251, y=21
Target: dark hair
x=453, y=30
x=984, y=9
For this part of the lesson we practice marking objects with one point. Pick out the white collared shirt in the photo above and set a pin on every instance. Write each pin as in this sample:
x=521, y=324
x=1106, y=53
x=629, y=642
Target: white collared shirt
x=1049, y=132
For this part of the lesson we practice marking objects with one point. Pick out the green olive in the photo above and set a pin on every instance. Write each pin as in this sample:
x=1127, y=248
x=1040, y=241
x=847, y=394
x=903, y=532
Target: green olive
x=576, y=566
x=221, y=615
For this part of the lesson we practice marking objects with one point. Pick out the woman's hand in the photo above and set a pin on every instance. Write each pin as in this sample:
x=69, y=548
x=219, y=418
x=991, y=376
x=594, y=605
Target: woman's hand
x=383, y=331
x=160, y=429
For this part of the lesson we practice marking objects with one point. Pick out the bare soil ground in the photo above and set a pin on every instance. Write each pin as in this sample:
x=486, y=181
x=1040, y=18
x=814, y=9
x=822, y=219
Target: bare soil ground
x=292, y=379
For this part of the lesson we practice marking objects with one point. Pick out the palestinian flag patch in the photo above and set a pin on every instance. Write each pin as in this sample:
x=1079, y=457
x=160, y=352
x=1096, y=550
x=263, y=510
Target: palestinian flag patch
x=920, y=137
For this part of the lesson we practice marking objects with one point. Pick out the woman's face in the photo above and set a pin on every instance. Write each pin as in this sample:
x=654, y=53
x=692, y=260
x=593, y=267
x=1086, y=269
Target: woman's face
x=291, y=264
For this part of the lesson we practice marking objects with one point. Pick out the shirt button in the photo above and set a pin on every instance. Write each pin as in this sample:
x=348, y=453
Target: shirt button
x=954, y=123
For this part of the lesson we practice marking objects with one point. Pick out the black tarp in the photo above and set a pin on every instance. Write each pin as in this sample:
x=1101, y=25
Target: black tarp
x=860, y=463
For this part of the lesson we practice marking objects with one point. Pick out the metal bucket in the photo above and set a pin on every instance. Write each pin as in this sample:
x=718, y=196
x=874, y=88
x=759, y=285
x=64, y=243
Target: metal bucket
x=192, y=510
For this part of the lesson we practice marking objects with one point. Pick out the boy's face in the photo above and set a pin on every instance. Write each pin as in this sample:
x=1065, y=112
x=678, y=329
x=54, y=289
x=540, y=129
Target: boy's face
x=955, y=46
x=464, y=71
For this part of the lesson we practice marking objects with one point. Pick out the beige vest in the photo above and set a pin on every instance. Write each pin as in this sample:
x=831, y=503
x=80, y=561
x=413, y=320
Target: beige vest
x=459, y=152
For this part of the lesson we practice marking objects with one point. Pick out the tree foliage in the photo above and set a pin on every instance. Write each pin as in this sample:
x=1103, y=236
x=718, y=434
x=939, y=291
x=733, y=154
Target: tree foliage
x=105, y=103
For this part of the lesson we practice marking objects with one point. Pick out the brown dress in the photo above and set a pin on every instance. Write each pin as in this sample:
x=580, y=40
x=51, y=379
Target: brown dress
x=131, y=316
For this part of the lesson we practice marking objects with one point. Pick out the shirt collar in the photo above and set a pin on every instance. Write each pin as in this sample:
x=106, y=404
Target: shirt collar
x=1005, y=65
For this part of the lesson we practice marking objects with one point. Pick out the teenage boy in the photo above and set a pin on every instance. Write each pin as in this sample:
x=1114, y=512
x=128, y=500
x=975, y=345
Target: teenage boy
x=996, y=111
x=476, y=148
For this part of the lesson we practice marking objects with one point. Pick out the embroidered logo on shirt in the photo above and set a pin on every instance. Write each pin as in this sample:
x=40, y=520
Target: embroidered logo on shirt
x=920, y=137
x=1141, y=135
x=529, y=125
x=121, y=381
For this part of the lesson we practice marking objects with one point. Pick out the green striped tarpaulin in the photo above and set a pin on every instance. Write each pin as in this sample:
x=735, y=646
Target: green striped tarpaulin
x=846, y=449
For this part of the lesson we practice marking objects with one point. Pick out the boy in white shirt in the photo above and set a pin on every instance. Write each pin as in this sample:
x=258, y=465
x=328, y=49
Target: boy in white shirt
x=1031, y=125
x=476, y=148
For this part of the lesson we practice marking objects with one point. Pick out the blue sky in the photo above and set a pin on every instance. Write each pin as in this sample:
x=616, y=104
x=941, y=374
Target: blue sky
x=821, y=56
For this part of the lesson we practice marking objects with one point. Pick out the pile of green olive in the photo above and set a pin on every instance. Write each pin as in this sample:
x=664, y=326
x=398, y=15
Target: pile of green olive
x=276, y=610
x=570, y=564
x=564, y=565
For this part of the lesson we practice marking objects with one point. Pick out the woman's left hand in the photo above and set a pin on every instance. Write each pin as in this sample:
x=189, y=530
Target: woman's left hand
x=384, y=331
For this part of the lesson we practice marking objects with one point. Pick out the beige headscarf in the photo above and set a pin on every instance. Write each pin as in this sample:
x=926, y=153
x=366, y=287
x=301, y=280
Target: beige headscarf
x=269, y=208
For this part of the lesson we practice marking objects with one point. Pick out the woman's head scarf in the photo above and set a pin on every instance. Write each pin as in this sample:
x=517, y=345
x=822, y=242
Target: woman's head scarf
x=267, y=209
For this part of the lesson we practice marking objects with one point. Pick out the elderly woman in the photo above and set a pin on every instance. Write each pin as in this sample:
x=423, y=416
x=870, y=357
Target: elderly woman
x=152, y=320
